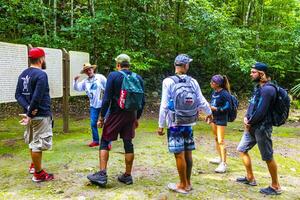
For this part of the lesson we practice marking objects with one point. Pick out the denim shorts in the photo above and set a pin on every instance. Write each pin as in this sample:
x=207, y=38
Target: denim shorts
x=260, y=135
x=220, y=122
x=180, y=138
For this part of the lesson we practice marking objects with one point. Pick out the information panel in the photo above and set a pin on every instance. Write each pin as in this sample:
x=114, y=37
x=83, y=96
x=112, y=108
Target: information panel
x=13, y=60
x=77, y=59
x=54, y=70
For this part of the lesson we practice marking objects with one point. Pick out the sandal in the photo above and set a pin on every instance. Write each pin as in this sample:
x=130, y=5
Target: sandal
x=246, y=181
x=173, y=187
x=189, y=188
x=270, y=191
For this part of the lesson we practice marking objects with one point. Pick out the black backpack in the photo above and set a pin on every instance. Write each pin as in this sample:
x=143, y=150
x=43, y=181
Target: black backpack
x=281, y=106
x=234, y=104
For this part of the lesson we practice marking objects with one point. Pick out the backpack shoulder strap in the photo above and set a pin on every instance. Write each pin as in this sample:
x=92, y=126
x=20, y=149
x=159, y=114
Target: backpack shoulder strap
x=134, y=75
x=123, y=73
x=276, y=87
x=276, y=90
x=273, y=85
x=175, y=78
x=188, y=79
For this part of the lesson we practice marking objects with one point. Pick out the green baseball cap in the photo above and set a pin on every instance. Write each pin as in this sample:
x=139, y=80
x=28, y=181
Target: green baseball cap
x=122, y=58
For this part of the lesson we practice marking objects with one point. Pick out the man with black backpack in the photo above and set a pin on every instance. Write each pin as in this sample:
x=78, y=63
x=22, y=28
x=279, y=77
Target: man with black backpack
x=124, y=95
x=181, y=102
x=258, y=128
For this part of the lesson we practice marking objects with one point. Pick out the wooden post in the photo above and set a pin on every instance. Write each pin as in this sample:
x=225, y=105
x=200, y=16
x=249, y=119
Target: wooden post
x=66, y=90
x=29, y=46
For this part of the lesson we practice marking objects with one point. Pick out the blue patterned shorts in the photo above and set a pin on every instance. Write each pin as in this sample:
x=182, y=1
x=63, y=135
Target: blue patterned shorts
x=180, y=138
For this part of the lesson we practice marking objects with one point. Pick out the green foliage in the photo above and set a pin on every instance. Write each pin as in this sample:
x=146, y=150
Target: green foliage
x=296, y=89
x=224, y=37
x=296, y=104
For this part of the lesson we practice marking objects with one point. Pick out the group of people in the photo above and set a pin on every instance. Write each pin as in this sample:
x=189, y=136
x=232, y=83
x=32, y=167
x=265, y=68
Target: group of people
x=116, y=105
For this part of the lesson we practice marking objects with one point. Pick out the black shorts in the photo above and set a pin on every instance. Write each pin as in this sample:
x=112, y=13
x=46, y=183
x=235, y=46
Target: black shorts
x=122, y=123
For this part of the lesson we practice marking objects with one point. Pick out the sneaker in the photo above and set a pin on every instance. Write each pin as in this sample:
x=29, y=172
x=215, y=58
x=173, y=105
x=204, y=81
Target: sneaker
x=244, y=180
x=31, y=169
x=270, y=191
x=221, y=168
x=42, y=176
x=93, y=144
x=125, y=178
x=98, y=178
x=215, y=160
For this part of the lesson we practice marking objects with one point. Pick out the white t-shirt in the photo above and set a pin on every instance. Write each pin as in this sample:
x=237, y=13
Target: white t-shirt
x=94, y=88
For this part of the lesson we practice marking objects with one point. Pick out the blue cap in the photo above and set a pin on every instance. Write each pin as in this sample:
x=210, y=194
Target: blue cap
x=182, y=59
x=260, y=66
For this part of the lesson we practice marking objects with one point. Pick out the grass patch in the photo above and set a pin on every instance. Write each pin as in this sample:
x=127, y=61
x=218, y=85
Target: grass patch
x=71, y=161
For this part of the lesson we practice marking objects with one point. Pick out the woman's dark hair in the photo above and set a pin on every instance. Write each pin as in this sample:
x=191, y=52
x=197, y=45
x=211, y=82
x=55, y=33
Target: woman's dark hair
x=226, y=84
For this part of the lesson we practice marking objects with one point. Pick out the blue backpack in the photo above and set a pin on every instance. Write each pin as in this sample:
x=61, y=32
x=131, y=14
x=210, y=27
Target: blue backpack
x=234, y=104
x=131, y=94
x=281, y=106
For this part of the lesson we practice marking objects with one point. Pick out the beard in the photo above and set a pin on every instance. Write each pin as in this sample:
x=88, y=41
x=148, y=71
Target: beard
x=44, y=65
x=256, y=80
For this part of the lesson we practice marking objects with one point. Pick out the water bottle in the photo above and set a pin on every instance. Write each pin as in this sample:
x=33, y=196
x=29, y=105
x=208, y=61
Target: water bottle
x=171, y=105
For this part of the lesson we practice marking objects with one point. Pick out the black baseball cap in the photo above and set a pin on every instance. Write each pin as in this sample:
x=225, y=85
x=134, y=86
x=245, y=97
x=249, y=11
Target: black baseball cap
x=260, y=66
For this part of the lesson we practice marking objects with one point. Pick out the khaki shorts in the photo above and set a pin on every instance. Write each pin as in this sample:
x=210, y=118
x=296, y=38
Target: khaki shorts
x=39, y=134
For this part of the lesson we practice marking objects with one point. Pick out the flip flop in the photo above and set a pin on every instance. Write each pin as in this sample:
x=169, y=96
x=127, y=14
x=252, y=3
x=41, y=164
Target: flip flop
x=246, y=181
x=270, y=191
x=173, y=187
x=189, y=188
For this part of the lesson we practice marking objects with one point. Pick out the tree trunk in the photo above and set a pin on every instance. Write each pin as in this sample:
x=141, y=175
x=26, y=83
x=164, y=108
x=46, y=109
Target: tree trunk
x=94, y=55
x=261, y=12
x=259, y=22
x=247, y=16
x=177, y=20
x=145, y=29
x=125, y=26
x=92, y=8
x=72, y=13
x=44, y=20
x=55, y=17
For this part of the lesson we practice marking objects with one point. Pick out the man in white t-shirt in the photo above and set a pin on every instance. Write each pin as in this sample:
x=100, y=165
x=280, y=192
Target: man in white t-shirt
x=181, y=102
x=94, y=86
